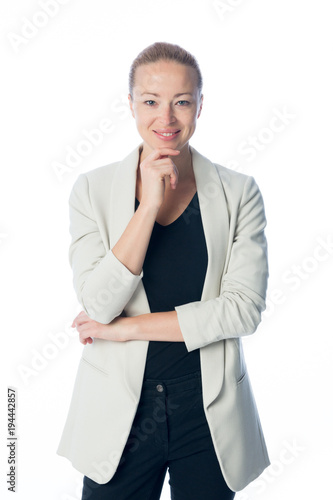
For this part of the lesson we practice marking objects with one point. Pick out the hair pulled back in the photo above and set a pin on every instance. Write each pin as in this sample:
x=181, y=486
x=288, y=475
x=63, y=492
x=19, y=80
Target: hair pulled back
x=163, y=51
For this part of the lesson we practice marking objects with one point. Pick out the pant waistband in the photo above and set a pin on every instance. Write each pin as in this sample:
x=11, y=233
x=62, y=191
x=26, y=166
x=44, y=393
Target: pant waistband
x=172, y=386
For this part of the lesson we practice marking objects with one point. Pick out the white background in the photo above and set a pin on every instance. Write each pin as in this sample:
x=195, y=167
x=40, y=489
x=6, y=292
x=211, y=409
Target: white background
x=258, y=58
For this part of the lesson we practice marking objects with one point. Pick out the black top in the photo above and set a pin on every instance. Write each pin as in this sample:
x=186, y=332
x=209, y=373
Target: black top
x=174, y=271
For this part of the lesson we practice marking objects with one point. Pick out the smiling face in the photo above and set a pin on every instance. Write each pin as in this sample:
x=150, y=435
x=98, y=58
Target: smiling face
x=166, y=104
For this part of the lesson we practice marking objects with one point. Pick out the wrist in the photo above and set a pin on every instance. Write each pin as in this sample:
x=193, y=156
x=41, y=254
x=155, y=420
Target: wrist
x=148, y=208
x=130, y=328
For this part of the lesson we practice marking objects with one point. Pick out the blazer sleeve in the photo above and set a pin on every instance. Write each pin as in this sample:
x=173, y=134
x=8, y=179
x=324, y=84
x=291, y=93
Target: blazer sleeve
x=237, y=310
x=103, y=285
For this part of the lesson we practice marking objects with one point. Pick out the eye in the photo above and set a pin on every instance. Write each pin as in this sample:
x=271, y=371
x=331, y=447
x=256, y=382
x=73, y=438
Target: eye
x=183, y=103
x=150, y=102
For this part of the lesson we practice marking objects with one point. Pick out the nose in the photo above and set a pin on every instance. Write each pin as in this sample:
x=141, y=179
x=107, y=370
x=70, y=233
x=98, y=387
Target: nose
x=167, y=114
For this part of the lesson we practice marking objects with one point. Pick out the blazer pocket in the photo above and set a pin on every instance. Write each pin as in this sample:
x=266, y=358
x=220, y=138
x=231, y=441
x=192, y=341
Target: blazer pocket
x=242, y=378
x=95, y=367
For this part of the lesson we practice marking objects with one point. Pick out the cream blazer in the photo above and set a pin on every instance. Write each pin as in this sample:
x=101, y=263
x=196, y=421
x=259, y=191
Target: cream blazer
x=110, y=374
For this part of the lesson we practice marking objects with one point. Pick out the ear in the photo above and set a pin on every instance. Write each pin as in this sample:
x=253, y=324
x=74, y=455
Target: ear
x=131, y=104
x=200, y=108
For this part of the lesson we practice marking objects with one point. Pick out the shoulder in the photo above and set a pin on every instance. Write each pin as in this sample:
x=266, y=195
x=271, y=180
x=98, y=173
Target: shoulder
x=231, y=177
x=235, y=184
x=243, y=196
x=98, y=175
x=104, y=172
x=95, y=182
x=99, y=179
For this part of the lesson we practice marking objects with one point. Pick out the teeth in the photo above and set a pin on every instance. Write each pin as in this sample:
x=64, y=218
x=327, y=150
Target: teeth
x=167, y=134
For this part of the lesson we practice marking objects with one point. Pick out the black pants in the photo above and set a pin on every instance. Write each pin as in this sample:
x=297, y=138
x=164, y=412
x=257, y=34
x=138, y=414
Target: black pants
x=170, y=430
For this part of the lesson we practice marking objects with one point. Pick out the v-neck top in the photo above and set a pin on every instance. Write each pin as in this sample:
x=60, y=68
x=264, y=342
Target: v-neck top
x=174, y=271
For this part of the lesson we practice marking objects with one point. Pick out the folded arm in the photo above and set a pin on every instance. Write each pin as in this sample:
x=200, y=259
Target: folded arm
x=237, y=310
x=103, y=284
x=107, y=284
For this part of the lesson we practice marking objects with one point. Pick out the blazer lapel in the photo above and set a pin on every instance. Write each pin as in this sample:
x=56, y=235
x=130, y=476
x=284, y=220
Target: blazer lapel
x=214, y=214
x=215, y=221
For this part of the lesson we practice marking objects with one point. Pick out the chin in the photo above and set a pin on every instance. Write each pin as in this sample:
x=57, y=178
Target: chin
x=175, y=144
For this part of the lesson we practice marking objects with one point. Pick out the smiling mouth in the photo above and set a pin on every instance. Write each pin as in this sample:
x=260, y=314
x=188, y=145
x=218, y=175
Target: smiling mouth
x=167, y=134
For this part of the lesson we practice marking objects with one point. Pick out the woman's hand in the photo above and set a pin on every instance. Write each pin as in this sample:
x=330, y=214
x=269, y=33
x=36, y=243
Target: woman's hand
x=155, y=170
x=89, y=329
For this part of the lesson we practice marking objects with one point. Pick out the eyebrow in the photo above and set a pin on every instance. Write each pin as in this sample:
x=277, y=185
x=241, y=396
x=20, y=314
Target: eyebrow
x=157, y=95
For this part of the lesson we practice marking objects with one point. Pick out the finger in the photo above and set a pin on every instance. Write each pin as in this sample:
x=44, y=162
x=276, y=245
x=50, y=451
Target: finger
x=82, y=314
x=158, y=153
x=82, y=320
x=89, y=331
x=168, y=171
x=86, y=326
x=86, y=334
x=173, y=180
x=88, y=340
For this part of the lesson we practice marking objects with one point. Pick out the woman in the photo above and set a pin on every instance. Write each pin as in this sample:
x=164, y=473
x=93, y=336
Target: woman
x=169, y=260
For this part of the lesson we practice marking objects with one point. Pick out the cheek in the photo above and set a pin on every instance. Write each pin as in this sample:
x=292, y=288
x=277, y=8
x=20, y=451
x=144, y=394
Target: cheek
x=144, y=119
x=190, y=114
x=190, y=118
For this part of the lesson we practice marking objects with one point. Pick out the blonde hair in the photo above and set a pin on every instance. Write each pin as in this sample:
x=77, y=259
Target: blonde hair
x=163, y=51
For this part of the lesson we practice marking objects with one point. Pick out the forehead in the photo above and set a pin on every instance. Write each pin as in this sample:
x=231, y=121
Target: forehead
x=170, y=74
